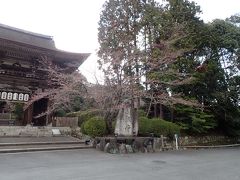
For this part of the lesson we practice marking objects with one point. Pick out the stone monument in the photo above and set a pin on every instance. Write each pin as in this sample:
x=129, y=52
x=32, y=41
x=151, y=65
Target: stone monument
x=127, y=120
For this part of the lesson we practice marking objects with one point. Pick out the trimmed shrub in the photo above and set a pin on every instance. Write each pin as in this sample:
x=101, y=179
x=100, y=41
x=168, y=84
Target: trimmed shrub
x=144, y=126
x=166, y=128
x=95, y=126
x=82, y=128
x=157, y=127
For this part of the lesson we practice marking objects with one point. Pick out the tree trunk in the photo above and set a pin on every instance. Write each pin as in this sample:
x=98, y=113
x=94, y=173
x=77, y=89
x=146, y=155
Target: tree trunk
x=155, y=110
x=161, y=111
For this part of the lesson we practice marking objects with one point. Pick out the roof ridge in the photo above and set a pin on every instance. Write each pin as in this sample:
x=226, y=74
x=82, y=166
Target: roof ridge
x=26, y=31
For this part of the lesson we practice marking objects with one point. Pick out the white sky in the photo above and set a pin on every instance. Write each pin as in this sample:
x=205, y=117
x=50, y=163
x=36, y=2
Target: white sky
x=74, y=23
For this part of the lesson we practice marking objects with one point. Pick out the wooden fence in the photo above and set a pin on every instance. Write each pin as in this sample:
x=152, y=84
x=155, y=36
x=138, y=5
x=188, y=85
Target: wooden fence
x=65, y=122
x=7, y=119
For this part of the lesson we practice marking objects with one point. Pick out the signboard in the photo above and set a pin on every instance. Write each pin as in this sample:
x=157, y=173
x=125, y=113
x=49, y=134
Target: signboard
x=13, y=96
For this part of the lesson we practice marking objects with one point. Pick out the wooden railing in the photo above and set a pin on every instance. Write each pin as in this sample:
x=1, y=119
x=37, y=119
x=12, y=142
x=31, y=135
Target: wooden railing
x=65, y=121
x=6, y=119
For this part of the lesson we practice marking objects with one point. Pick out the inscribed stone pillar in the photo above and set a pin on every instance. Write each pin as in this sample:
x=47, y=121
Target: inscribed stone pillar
x=127, y=120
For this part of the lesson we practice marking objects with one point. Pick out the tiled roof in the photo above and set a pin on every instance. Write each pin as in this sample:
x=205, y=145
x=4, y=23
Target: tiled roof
x=26, y=37
x=39, y=41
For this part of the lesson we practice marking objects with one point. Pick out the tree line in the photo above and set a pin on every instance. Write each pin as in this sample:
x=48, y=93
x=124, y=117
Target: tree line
x=171, y=64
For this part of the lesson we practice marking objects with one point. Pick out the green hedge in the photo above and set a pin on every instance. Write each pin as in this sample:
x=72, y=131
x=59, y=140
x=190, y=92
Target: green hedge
x=144, y=126
x=95, y=126
x=82, y=128
x=157, y=127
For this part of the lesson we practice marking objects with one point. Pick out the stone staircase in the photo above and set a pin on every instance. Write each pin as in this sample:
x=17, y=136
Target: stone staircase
x=31, y=138
x=30, y=144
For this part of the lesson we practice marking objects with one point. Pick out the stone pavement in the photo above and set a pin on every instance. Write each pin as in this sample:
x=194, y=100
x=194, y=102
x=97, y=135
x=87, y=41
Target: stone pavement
x=211, y=164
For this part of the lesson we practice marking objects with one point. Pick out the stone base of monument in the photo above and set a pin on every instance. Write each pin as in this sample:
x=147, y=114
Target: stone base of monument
x=123, y=145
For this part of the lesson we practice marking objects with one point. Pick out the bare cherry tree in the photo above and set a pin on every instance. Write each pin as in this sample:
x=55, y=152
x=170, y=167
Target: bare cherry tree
x=61, y=86
x=140, y=43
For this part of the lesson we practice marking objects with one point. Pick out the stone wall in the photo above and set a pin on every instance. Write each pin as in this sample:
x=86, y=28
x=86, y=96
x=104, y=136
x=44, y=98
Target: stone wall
x=206, y=140
x=124, y=145
x=32, y=130
x=153, y=144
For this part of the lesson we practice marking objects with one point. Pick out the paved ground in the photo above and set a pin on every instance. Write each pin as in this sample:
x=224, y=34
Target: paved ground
x=213, y=164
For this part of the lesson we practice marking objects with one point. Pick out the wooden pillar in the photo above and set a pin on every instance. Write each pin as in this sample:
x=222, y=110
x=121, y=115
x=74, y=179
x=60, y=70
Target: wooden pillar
x=28, y=115
x=48, y=116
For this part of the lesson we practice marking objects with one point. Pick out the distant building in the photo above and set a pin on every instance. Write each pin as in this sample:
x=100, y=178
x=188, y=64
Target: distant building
x=21, y=72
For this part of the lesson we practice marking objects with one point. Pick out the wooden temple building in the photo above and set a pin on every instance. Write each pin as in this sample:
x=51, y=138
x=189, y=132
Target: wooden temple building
x=21, y=70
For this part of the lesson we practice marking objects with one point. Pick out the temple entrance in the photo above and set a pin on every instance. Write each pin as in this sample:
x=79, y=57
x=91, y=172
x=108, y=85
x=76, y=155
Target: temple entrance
x=40, y=107
x=2, y=107
x=26, y=59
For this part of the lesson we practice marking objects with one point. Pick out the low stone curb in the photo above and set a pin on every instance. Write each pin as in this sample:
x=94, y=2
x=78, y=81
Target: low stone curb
x=207, y=147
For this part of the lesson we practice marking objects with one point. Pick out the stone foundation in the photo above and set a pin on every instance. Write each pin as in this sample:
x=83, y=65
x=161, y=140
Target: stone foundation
x=124, y=145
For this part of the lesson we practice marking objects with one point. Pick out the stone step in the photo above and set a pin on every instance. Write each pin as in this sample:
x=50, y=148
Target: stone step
x=43, y=143
x=53, y=139
x=33, y=148
x=27, y=144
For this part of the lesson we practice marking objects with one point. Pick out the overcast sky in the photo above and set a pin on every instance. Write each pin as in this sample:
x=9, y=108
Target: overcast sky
x=73, y=23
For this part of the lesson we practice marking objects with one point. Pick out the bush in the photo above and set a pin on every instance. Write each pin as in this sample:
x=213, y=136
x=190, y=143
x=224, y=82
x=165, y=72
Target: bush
x=162, y=127
x=82, y=128
x=144, y=126
x=157, y=127
x=84, y=115
x=95, y=126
